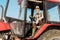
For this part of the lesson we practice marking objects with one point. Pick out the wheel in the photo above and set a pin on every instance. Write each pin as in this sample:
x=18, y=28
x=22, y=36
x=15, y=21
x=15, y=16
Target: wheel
x=53, y=34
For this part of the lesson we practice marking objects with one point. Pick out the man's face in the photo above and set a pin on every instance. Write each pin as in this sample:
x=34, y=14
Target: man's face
x=37, y=10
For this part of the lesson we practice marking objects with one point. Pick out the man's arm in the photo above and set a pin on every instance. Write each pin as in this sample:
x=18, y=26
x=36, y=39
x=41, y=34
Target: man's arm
x=37, y=21
x=31, y=17
x=41, y=17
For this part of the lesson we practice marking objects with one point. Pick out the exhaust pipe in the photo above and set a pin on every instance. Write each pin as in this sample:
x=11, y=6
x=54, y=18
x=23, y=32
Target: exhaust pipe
x=6, y=8
x=2, y=13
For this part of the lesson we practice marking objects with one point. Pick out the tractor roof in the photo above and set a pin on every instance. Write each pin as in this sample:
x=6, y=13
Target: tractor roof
x=33, y=3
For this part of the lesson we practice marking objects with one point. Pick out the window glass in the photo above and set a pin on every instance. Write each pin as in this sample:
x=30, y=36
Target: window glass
x=52, y=12
x=28, y=14
x=14, y=9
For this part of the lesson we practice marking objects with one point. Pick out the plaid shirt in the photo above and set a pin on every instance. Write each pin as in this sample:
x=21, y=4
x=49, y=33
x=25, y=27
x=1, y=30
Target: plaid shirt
x=37, y=16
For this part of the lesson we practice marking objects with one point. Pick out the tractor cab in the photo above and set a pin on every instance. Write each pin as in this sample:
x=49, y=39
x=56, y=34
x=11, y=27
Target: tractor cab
x=17, y=15
x=47, y=8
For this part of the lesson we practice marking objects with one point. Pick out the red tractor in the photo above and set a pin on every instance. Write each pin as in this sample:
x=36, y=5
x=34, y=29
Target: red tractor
x=49, y=27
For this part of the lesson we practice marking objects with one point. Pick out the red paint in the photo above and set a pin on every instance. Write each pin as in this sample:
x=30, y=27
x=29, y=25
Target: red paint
x=4, y=26
x=41, y=30
x=53, y=0
x=44, y=28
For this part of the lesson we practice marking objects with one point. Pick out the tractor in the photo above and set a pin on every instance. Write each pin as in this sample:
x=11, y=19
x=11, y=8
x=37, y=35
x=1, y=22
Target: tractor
x=49, y=28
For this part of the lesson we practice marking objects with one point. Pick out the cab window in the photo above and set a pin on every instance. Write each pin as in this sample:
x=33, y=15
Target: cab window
x=52, y=12
x=14, y=10
x=28, y=14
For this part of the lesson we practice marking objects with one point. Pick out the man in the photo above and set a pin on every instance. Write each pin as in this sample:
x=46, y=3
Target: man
x=37, y=19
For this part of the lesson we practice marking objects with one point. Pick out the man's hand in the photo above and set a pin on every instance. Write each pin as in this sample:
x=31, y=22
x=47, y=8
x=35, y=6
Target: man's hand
x=37, y=21
x=31, y=17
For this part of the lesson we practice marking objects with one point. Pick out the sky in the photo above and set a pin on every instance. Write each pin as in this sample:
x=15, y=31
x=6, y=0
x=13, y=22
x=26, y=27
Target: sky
x=13, y=10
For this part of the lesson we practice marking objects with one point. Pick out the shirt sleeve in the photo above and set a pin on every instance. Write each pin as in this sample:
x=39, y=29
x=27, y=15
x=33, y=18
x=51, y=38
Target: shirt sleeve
x=41, y=17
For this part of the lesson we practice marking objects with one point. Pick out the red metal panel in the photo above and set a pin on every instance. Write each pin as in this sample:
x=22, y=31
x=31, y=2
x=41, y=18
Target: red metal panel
x=44, y=28
x=41, y=30
x=4, y=26
x=54, y=0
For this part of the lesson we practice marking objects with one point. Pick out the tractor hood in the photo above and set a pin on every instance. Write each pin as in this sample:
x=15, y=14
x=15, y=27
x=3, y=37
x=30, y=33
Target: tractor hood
x=4, y=26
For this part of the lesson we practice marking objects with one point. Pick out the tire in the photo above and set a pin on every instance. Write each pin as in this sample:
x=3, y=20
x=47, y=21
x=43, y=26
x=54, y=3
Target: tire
x=53, y=34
